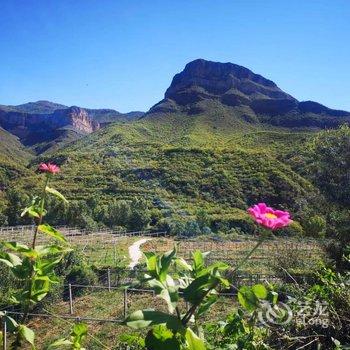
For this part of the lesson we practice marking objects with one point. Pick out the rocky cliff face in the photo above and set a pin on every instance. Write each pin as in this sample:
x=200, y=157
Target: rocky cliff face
x=36, y=127
x=44, y=124
x=76, y=117
x=230, y=82
x=237, y=88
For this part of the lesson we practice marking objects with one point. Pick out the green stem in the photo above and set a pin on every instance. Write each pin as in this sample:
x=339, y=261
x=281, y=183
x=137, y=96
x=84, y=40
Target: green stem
x=41, y=212
x=193, y=308
x=243, y=261
x=32, y=275
x=178, y=314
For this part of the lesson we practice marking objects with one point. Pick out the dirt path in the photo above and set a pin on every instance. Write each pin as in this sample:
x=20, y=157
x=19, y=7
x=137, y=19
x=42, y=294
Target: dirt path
x=135, y=252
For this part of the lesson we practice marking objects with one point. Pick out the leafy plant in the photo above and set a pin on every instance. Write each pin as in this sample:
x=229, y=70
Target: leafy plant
x=74, y=342
x=240, y=330
x=195, y=284
x=34, y=266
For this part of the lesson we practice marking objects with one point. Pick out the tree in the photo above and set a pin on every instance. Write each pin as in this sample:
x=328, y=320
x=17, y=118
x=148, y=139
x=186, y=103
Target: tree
x=330, y=163
x=16, y=202
x=140, y=216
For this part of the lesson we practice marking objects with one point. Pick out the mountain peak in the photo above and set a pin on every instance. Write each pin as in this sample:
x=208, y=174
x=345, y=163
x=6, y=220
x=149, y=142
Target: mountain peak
x=206, y=79
x=204, y=86
x=219, y=69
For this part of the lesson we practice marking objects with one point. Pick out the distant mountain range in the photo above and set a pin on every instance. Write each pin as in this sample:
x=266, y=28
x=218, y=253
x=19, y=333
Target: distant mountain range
x=222, y=138
x=39, y=124
x=202, y=88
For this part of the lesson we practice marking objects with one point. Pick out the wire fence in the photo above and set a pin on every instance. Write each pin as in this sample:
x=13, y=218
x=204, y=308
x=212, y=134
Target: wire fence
x=89, y=303
x=102, y=247
x=73, y=234
x=75, y=319
x=124, y=300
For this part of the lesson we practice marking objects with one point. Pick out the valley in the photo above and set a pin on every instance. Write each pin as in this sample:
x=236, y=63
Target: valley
x=153, y=204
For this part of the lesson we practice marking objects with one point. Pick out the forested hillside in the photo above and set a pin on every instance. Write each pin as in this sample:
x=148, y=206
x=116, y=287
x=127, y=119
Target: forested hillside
x=194, y=162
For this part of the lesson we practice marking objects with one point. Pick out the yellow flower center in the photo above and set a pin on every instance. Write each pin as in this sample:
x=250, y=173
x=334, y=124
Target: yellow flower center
x=271, y=216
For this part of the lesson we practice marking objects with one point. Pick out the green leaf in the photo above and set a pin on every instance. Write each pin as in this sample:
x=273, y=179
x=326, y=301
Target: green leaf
x=272, y=297
x=23, y=270
x=10, y=259
x=60, y=343
x=17, y=247
x=53, y=249
x=78, y=334
x=247, y=298
x=27, y=334
x=46, y=266
x=260, y=291
x=22, y=249
x=205, y=306
x=165, y=261
x=199, y=287
x=181, y=262
x=161, y=338
x=56, y=193
x=79, y=330
x=193, y=341
x=31, y=211
x=52, y=232
x=198, y=260
x=11, y=324
x=144, y=318
x=151, y=262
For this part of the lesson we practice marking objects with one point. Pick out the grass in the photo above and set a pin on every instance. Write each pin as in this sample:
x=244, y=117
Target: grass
x=104, y=304
x=299, y=257
x=108, y=305
x=106, y=250
x=100, y=252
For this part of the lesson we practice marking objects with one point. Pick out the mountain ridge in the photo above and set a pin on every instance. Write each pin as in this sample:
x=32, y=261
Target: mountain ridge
x=224, y=96
x=204, y=154
x=42, y=121
x=236, y=86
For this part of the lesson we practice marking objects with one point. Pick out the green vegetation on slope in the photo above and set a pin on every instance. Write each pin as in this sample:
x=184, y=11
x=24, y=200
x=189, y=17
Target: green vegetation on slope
x=180, y=165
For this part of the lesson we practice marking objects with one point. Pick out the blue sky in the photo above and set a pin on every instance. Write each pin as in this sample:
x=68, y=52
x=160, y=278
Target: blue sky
x=123, y=54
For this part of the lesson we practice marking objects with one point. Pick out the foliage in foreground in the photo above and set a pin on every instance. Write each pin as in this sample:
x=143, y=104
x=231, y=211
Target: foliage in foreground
x=33, y=266
x=197, y=285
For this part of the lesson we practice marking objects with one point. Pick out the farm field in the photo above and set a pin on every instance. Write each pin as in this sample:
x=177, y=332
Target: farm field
x=105, y=249
x=109, y=306
x=103, y=308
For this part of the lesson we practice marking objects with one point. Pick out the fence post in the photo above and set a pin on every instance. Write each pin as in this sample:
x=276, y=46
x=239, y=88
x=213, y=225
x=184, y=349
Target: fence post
x=4, y=332
x=115, y=253
x=109, y=279
x=70, y=299
x=125, y=302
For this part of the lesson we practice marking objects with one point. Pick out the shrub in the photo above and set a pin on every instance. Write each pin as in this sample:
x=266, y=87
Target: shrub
x=75, y=270
x=189, y=228
x=315, y=226
x=293, y=230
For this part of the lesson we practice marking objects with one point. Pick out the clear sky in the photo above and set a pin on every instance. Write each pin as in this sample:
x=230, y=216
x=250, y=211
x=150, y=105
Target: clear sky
x=123, y=54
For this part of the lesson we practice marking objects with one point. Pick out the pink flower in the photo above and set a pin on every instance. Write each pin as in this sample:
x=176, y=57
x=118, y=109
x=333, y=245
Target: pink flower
x=49, y=168
x=269, y=217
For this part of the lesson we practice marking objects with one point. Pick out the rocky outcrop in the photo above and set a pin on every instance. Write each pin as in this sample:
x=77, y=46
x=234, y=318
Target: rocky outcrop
x=43, y=124
x=32, y=127
x=76, y=117
x=236, y=87
x=204, y=79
